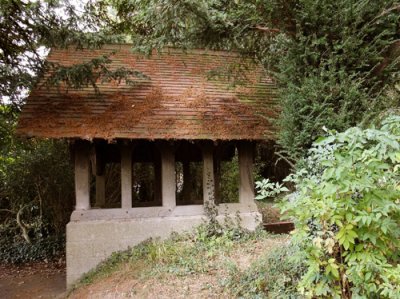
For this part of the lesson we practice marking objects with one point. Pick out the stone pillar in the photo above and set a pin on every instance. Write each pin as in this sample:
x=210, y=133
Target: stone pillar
x=100, y=191
x=82, y=176
x=246, y=181
x=126, y=176
x=208, y=174
x=168, y=184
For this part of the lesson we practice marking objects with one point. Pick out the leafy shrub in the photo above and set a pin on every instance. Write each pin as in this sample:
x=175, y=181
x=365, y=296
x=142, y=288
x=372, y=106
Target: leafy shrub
x=39, y=176
x=275, y=275
x=347, y=213
x=34, y=174
x=267, y=189
x=36, y=194
x=285, y=268
x=44, y=244
x=213, y=227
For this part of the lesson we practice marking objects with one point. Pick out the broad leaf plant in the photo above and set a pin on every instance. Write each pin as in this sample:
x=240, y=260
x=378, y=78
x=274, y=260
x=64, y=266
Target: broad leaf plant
x=347, y=213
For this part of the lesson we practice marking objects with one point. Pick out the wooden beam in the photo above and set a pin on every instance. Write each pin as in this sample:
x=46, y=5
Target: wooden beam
x=82, y=175
x=126, y=176
x=246, y=182
x=168, y=183
x=208, y=174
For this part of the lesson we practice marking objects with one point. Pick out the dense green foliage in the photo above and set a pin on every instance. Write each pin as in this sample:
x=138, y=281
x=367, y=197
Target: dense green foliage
x=30, y=28
x=18, y=251
x=347, y=213
x=39, y=176
x=336, y=61
x=36, y=194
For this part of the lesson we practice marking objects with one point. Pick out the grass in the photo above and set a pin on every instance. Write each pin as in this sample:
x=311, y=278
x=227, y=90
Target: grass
x=197, y=265
x=274, y=274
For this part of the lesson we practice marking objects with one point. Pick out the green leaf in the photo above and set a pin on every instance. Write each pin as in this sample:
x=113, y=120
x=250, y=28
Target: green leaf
x=352, y=234
x=346, y=244
x=335, y=272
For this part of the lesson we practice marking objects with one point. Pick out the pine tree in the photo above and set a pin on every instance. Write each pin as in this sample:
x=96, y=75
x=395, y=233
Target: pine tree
x=336, y=62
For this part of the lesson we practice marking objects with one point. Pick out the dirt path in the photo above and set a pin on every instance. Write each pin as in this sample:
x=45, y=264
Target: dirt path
x=37, y=280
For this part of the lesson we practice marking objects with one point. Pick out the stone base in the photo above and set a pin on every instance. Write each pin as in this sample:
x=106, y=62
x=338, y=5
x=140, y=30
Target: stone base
x=91, y=241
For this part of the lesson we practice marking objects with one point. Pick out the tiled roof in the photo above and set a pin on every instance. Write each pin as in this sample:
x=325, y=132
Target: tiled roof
x=179, y=100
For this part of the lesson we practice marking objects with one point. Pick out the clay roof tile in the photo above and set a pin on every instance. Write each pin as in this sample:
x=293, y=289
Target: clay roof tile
x=179, y=100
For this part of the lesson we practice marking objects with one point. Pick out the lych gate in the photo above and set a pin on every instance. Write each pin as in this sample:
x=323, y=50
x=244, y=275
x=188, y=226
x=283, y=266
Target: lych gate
x=148, y=157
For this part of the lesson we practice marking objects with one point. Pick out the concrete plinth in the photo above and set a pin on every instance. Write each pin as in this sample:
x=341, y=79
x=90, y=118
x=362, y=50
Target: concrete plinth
x=92, y=241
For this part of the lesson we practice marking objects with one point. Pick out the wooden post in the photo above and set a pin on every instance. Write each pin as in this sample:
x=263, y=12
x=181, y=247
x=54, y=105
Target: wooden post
x=208, y=175
x=82, y=176
x=246, y=182
x=126, y=176
x=168, y=184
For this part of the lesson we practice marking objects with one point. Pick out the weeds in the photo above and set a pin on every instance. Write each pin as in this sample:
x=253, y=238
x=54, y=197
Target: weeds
x=211, y=250
x=181, y=255
x=106, y=268
x=274, y=275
